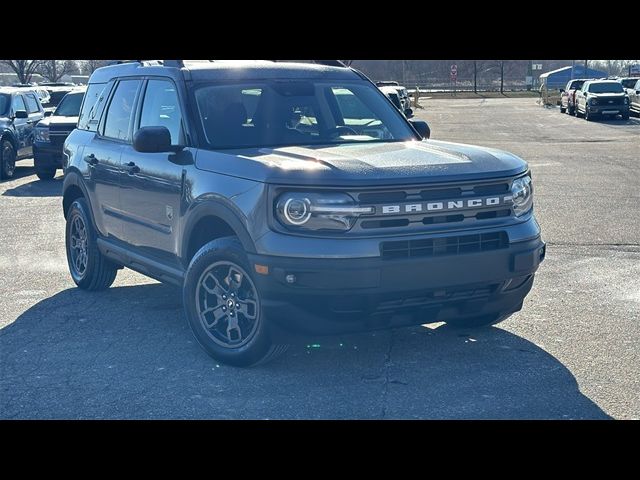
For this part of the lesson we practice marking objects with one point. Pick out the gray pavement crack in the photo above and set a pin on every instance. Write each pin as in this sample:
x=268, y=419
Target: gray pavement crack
x=386, y=366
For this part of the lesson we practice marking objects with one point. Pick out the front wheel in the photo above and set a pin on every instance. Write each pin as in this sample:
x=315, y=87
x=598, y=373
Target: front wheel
x=562, y=109
x=7, y=160
x=223, y=306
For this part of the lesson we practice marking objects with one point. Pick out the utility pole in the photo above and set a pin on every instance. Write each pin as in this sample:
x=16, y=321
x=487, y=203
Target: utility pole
x=403, y=76
x=530, y=75
x=501, y=77
x=585, y=66
x=475, y=76
x=573, y=65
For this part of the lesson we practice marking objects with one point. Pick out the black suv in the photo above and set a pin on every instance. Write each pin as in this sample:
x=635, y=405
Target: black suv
x=20, y=110
x=51, y=133
x=278, y=206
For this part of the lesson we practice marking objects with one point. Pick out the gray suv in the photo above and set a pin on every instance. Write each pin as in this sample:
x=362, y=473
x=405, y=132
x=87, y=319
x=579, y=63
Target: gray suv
x=290, y=197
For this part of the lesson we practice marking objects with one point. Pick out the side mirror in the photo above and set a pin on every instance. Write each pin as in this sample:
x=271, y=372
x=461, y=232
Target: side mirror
x=153, y=140
x=48, y=113
x=562, y=90
x=421, y=127
x=21, y=114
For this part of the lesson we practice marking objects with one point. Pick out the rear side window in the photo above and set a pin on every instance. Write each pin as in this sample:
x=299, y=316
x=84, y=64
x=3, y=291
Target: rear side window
x=120, y=112
x=32, y=103
x=94, y=100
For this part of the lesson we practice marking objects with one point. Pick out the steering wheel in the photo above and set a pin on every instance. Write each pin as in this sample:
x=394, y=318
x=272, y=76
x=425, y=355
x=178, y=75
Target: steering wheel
x=342, y=130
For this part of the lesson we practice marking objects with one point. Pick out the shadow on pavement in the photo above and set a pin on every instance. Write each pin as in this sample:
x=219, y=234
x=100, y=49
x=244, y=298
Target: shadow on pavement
x=20, y=172
x=128, y=353
x=37, y=188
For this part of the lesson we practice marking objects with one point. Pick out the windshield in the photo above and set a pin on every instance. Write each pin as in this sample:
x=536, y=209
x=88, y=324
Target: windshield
x=70, y=105
x=56, y=96
x=576, y=85
x=629, y=82
x=289, y=112
x=606, y=87
x=5, y=101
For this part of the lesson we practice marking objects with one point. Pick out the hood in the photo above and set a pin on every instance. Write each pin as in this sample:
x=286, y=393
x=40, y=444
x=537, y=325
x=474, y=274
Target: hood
x=363, y=164
x=614, y=95
x=58, y=120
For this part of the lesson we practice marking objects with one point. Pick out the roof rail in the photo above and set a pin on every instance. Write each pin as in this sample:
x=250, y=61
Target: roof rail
x=329, y=63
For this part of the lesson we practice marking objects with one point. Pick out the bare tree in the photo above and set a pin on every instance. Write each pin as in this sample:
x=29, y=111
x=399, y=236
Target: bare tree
x=54, y=70
x=24, y=69
x=89, y=66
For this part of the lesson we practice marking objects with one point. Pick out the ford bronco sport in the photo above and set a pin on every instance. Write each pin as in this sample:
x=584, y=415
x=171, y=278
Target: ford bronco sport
x=247, y=184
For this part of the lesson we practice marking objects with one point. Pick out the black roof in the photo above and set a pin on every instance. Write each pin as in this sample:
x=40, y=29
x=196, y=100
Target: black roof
x=226, y=70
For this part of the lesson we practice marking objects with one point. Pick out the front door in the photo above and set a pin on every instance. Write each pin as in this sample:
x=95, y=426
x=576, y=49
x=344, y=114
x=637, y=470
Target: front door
x=152, y=183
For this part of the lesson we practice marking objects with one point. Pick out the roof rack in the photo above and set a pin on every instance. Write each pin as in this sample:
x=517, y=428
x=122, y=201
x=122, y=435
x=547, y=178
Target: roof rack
x=328, y=63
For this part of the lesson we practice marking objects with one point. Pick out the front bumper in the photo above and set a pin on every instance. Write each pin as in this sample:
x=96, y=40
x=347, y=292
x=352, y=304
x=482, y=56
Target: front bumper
x=47, y=155
x=609, y=109
x=336, y=295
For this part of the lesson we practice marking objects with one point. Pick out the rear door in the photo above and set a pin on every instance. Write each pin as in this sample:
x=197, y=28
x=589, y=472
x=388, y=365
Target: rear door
x=21, y=125
x=36, y=113
x=102, y=155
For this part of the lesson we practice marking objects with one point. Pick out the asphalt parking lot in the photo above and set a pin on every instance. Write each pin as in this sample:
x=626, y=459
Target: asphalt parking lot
x=573, y=352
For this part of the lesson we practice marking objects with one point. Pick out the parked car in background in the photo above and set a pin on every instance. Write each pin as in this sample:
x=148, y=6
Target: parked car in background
x=602, y=98
x=568, y=95
x=393, y=95
x=57, y=93
x=51, y=133
x=634, y=97
x=406, y=101
x=387, y=83
x=20, y=110
x=628, y=82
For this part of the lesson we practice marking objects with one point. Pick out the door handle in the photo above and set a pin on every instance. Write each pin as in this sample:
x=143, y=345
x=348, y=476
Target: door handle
x=132, y=168
x=91, y=159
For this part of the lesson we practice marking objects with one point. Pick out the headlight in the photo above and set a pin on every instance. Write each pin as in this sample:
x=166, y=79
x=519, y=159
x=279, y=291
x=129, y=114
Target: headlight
x=42, y=134
x=593, y=101
x=522, y=195
x=318, y=211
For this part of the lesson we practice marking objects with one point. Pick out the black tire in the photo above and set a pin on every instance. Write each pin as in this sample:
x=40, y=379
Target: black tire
x=587, y=116
x=45, y=173
x=7, y=160
x=578, y=114
x=92, y=271
x=562, y=110
x=205, y=282
x=625, y=116
x=571, y=111
x=476, y=322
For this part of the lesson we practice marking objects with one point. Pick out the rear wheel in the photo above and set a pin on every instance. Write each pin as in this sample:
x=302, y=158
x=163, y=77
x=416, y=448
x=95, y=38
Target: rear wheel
x=223, y=306
x=562, y=109
x=89, y=269
x=7, y=160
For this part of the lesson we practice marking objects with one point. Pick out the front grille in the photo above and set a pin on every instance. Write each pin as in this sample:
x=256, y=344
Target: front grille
x=432, y=207
x=437, y=247
x=604, y=101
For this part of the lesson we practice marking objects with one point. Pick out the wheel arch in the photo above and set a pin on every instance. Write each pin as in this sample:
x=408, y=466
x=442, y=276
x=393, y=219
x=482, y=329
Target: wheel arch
x=72, y=189
x=208, y=221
